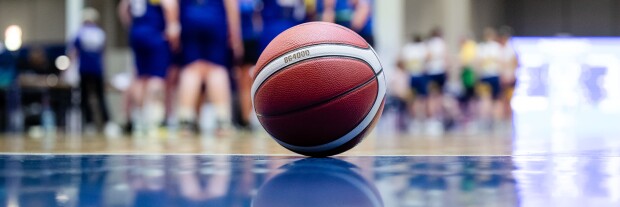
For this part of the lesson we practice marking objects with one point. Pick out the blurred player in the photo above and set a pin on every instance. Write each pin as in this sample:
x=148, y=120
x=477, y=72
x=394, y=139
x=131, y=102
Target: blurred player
x=509, y=65
x=467, y=55
x=154, y=32
x=211, y=28
x=88, y=49
x=354, y=14
x=412, y=59
x=436, y=67
x=250, y=29
x=489, y=57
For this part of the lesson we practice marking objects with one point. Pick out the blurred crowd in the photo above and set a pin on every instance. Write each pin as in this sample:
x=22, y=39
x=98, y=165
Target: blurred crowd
x=469, y=90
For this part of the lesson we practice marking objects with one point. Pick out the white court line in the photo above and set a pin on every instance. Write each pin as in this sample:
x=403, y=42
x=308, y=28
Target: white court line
x=270, y=155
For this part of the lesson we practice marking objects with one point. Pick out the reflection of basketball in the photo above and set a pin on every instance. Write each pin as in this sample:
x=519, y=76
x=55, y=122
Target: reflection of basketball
x=318, y=182
x=318, y=89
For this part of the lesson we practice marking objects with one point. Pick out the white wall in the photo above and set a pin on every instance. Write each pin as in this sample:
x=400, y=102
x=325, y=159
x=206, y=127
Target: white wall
x=388, y=30
x=453, y=17
x=40, y=20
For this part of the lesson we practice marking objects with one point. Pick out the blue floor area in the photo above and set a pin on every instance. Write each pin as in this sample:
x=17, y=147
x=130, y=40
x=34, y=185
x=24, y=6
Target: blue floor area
x=195, y=180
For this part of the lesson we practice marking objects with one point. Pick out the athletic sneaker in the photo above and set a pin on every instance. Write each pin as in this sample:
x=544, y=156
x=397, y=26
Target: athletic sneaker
x=188, y=128
x=434, y=128
x=415, y=127
x=112, y=130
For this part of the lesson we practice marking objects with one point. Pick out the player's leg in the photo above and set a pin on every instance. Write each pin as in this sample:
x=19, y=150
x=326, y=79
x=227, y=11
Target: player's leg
x=452, y=111
x=171, y=86
x=190, y=80
x=437, y=83
x=85, y=91
x=244, y=82
x=508, y=87
x=244, y=79
x=498, y=110
x=128, y=105
x=137, y=98
x=419, y=104
x=435, y=104
x=110, y=128
x=153, y=103
x=485, y=102
x=101, y=100
x=219, y=94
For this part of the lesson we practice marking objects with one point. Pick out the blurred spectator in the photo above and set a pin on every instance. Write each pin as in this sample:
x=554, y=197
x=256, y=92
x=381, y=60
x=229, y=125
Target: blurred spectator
x=436, y=68
x=88, y=49
x=413, y=59
x=467, y=55
x=489, y=57
x=510, y=63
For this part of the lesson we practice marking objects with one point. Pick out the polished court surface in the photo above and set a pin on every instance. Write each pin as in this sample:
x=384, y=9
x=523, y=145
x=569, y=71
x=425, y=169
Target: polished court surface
x=196, y=180
x=548, y=158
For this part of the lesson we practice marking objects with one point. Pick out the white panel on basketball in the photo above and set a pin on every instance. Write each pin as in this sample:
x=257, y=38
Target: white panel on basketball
x=367, y=55
x=321, y=50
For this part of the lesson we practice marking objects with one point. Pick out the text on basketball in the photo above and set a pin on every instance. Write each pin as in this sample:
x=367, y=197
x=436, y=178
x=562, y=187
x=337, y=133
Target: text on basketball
x=297, y=55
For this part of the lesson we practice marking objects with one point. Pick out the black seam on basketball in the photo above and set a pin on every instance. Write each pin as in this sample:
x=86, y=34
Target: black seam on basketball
x=328, y=100
x=358, y=139
x=340, y=136
x=306, y=46
x=337, y=150
x=367, y=113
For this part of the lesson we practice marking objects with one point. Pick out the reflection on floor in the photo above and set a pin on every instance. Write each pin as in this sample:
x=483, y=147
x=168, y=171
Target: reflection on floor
x=190, y=180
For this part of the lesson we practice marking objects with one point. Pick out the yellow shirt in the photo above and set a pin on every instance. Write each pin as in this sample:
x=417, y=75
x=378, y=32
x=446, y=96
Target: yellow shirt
x=468, y=52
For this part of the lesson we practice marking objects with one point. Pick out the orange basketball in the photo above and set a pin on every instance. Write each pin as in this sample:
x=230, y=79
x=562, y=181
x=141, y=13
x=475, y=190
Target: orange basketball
x=318, y=89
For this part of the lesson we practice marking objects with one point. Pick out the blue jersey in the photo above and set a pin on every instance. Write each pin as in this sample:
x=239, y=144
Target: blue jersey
x=203, y=15
x=344, y=13
x=147, y=13
x=89, y=44
x=278, y=16
x=247, y=9
x=147, y=28
x=277, y=11
x=205, y=31
x=151, y=50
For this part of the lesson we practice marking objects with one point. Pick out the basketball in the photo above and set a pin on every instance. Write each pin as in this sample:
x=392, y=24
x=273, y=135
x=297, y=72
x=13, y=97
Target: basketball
x=318, y=89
